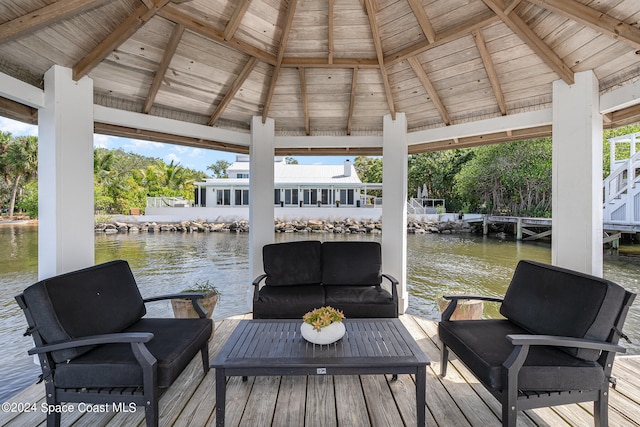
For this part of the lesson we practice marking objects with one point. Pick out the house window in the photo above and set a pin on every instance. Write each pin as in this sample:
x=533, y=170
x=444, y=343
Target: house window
x=242, y=197
x=242, y=175
x=346, y=196
x=310, y=196
x=277, y=197
x=326, y=196
x=223, y=197
x=290, y=196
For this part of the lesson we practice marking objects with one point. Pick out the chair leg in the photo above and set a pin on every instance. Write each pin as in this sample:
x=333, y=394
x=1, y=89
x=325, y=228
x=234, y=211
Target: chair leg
x=509, y=413
x=151, y=412
x=53, y=419
x=444, y=358
x=601, y=409
x=205, y=358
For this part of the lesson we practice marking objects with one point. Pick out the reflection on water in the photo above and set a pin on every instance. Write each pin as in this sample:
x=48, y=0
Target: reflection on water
x=170, y=262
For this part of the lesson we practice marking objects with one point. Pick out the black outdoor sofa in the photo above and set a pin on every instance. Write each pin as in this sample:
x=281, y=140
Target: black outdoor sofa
x=555, y=345
x=95, y=346
x=300, y=276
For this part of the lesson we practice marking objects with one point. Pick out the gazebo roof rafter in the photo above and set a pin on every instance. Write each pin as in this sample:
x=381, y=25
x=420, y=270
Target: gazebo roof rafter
x=328, y=67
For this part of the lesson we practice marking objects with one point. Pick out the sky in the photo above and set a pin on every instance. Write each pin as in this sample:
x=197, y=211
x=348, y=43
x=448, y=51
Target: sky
x=188, y=157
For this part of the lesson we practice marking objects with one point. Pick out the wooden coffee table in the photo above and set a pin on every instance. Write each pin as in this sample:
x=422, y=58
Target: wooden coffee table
x=275, y=347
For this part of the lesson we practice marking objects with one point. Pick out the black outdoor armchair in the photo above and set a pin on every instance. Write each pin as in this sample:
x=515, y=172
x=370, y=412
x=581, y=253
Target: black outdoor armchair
x=556, y=344
x=95, y=346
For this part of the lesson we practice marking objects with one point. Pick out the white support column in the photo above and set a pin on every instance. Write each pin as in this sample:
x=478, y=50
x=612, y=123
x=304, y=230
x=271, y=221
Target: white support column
x=65, y=174
x=577, y=175
x=394, y=203
x=261, y=190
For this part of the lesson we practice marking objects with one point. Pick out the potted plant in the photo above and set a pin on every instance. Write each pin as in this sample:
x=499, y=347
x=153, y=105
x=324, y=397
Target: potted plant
x=183, y=308
x=323, y=325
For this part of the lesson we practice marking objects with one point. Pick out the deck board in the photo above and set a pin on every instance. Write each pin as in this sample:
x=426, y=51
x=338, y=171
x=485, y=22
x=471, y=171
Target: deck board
x=375, y=400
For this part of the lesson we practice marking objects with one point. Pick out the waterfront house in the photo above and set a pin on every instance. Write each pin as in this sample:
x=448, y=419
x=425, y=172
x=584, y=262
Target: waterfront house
x=336, y=77
x=294, y=185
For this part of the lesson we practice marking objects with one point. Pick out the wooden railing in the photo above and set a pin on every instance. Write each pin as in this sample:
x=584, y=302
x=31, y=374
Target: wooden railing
x=622, y=192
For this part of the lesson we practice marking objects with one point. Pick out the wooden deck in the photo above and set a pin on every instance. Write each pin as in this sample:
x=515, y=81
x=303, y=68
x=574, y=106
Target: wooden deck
x=457, y=400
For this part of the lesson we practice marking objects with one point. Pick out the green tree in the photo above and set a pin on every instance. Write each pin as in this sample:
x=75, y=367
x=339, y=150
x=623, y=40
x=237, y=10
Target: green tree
x=290, y=160
x=219, y=169
x=512, y=178
x=20, y=164
x=369, y=169
x=437, y=171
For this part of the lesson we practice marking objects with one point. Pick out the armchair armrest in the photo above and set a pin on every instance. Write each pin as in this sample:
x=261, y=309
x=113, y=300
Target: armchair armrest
x=394, y=285
x=559, y=341
x=193, y=296
x=256, y=284
x=125, y=337
x=451, y=307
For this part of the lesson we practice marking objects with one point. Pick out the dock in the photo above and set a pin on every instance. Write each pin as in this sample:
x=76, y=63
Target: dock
x=358, y=400
x=527, y=228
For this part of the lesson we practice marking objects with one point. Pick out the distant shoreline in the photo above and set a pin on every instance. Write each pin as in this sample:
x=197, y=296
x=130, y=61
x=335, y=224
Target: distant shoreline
x=4, y=221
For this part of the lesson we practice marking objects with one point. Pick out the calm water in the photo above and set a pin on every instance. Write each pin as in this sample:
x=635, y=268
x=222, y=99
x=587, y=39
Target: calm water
x=169, y=262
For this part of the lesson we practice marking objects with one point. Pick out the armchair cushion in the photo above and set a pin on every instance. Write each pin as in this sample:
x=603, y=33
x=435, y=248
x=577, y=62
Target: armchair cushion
x=96, y=300
x=296, y=263
x=351, y=263
x=174, y=343
x=483, y=347
x=361, y=301
x=536, y=300
x=287, y=302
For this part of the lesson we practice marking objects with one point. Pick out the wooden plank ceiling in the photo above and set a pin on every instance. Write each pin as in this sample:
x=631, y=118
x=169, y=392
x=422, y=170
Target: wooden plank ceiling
x=323, y=67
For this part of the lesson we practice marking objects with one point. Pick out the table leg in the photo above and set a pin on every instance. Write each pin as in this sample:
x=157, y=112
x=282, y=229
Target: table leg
x=421, y=394
x=221, y=391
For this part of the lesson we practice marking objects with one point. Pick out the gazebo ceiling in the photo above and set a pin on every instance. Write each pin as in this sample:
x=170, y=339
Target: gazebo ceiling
x=322, y=67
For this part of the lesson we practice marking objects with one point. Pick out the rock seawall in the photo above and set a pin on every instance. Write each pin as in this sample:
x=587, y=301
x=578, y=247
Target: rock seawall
x=338, y=226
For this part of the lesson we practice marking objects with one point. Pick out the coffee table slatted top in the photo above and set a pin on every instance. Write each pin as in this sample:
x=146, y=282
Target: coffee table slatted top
x=277, y=342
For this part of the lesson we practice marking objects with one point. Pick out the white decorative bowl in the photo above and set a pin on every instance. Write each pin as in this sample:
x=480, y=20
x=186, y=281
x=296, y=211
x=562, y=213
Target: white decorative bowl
x=327, y=335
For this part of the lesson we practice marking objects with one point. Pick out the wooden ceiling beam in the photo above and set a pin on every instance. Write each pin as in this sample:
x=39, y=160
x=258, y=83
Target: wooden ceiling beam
x=531, y=39
x=128, y=132
x=593, y=19
x=236, y=18
x=169, y=51
x=330, y=35
x=125, y=30
x=205, y=29
x=491, y=70
x=423, y=20
x=235, y=87
x=379, y=53
x=297, y=62
x=447, y=36
x=352, y=100
x=431, y=91
x=45, y=16
x=511, y=5
x=284, y=38
x=305, y=104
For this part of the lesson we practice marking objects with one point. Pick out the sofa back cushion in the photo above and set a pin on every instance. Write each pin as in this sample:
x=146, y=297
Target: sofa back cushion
x=549, y=300
x=97, y=300
x=293, y=263
x=351, y=263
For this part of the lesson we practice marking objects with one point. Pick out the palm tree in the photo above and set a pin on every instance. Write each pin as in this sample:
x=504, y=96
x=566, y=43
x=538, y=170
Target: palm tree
x=21, y=162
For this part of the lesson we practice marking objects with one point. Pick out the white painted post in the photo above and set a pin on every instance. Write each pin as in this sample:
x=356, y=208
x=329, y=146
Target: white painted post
x=261, y=190
x=65, y=174
x=394, y=203
x=577, y=175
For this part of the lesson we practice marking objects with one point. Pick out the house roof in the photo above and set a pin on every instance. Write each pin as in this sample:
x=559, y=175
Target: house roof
x=322, y=67
x=296, y=174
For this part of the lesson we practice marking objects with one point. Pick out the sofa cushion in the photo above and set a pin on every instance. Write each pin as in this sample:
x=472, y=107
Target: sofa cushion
x=361, y=301
x=174, y=344
x=287, y=302
x=351, y=263
x=550, y=300
x=483, y=347
x=293, y=263
x=97, y=300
